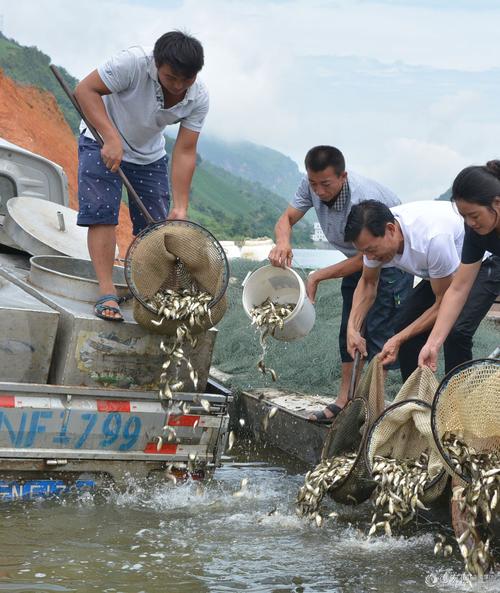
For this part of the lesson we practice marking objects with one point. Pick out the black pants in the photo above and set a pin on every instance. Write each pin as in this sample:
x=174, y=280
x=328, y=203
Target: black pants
x=393, y=289
x=458, y=345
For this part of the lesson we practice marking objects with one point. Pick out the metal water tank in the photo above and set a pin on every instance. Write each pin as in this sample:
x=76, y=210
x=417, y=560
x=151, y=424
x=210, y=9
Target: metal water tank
x=95, y=352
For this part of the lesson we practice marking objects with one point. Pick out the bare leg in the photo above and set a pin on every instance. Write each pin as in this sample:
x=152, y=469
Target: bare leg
x=344, y=385
x=101, y=240
x=343, y=389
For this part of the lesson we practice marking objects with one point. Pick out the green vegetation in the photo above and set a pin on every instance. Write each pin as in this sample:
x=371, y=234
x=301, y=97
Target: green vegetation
x=311, y=365
x=272, y=169
x=233, y=208
x=28, y=65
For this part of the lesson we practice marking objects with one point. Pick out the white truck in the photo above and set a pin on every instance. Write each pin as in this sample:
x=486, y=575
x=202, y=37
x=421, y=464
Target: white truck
x=79, y=403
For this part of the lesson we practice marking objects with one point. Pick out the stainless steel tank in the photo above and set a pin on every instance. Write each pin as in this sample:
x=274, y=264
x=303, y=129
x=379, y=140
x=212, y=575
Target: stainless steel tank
x=28, y=330
x=94, y=352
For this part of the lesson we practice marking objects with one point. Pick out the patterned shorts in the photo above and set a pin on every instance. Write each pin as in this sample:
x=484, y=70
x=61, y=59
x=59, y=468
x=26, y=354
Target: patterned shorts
x=100, y=191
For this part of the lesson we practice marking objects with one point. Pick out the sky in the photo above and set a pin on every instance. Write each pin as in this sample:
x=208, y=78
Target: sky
x=408, y=90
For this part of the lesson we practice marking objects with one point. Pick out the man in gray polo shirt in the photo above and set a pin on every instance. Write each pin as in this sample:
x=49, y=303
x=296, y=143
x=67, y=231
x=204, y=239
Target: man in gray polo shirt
x=130, y=99
x=332, y=191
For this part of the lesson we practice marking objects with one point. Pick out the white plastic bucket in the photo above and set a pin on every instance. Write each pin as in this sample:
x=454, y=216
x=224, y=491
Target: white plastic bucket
x=281, y=285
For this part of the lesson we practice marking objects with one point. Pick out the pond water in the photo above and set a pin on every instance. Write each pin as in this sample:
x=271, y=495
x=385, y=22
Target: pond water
x=314, y=259
x=193, y=538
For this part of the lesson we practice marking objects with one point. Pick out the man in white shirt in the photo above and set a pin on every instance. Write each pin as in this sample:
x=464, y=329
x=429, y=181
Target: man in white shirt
x=130, y=99
x=423, y=238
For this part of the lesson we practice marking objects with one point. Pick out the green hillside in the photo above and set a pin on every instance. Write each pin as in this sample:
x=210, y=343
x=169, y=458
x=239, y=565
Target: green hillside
x=234, y=208
x=28, y=65
x=270, y=168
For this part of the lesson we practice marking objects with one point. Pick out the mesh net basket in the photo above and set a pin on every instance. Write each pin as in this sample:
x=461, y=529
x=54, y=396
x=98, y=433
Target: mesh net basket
x=467, y=403
x=348, y=434
x=403, y=432
x=176, y=255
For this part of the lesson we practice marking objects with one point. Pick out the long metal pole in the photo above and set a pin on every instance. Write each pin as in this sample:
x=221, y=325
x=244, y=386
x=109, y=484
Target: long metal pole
x=131, y=191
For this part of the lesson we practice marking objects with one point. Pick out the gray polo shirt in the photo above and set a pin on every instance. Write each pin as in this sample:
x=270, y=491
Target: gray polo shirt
x=135, y=105
x=333, y=221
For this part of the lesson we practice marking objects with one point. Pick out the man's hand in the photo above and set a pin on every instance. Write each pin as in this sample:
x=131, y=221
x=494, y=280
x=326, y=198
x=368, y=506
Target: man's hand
x=281, y=256
x=428, y=357
x=356, y=343
x=112, y=154
x=312, y=286
x=177, y=214
x=390, y=350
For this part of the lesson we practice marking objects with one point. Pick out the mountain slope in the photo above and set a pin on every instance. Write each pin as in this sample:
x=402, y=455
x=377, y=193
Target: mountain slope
x=270, y=168
x=446, y=196
x=28, y=65
x=234, y=208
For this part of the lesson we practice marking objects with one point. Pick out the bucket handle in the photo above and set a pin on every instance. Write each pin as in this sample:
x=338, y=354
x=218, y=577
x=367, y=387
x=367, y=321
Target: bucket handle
x=245, y=279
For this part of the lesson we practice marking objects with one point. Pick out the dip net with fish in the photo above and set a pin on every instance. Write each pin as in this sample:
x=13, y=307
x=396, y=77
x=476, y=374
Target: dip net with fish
x=348, y=435
x=403, y=435
x=467, y=404
x=176, y=255
x=466, y=427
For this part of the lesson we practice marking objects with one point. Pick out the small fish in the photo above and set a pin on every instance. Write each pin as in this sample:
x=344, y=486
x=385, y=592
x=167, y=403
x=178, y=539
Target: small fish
x=171, y=477
x=231, y=440
x=243, y=487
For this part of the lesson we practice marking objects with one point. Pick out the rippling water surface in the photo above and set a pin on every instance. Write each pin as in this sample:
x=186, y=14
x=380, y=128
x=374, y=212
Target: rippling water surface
x=191, y=539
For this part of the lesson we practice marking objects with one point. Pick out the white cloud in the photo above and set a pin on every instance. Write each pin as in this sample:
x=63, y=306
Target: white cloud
x=291, y=74
x=417, y=170
x=450, y=107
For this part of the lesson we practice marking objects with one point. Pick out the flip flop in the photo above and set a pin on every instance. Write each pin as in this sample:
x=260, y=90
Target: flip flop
x=321, y=417
x=100, y=307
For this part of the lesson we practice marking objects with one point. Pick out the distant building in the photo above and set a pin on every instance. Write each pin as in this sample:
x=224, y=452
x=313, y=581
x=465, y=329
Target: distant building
x=318, y=234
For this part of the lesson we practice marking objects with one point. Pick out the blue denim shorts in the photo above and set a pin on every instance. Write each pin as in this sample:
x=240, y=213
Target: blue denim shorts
x=100, y=191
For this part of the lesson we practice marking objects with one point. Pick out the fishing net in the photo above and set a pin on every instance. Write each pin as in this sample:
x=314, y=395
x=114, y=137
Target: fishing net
x=467, y=404
x=403, y=431
x=348, y=434
x=176, y=255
